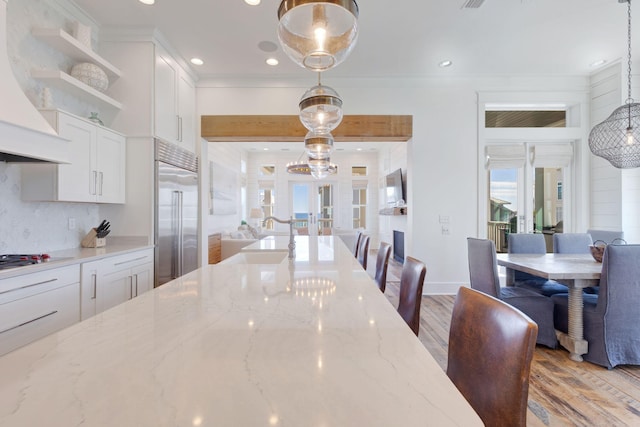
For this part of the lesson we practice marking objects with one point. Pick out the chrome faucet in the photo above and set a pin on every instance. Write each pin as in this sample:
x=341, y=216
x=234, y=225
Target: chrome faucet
x=292, y=242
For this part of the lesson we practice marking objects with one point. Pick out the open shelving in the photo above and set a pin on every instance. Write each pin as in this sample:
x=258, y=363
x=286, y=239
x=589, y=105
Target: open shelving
x=67, y=83
x=70, y=46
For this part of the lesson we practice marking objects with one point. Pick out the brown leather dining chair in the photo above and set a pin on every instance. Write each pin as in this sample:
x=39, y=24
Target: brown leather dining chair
x=411, y=282
x=355, y=247
x=491, y=347
x=363, y=250
x=382, y=264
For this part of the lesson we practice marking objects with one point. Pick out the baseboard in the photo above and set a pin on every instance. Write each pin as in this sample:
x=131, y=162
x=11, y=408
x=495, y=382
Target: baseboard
x=441, y=288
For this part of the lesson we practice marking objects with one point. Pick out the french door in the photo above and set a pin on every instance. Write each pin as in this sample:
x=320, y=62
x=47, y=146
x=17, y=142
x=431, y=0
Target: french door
x=312, y=206
x=528, y=185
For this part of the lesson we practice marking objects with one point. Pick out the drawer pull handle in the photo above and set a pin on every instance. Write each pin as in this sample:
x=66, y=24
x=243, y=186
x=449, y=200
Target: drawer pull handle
x=131, y=260
x=29, y=286
x=29, y=321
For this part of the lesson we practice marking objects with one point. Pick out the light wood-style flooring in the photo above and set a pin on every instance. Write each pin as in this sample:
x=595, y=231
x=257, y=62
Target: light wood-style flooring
x=561, y=392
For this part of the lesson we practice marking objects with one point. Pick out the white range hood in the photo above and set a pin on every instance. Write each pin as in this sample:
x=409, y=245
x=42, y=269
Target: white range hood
x=25, y=136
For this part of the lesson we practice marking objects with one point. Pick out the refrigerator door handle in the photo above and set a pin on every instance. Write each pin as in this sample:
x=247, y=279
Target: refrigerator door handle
x=178, y=248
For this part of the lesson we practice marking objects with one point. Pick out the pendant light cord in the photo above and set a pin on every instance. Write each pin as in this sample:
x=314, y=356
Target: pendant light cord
x=629, y=99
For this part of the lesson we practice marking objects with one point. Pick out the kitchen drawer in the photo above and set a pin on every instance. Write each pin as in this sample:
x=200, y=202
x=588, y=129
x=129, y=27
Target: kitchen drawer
x=27, y=319
x=121, y=262
x=34, y=283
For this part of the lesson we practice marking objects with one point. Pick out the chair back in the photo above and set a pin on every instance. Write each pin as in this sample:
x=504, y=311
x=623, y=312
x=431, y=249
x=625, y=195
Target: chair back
x=357, y=244
x=618, y=302
x=491, y=346
x=606, y=236
x=411, y=282
x=382, y=264
x=363, y=250
x=525, y=243
x=483, y=266
x=572, y=243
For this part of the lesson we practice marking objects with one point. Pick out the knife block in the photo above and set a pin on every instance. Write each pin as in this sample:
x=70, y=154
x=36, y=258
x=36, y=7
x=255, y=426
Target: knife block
x=91, y=240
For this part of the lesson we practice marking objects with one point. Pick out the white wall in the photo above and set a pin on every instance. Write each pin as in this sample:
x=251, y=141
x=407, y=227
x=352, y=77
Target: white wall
x=33, y=226
x=615, y=195
x=230, y=157
x=442, y=156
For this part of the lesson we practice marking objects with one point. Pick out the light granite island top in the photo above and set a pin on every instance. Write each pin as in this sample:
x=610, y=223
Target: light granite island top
x=311, y=342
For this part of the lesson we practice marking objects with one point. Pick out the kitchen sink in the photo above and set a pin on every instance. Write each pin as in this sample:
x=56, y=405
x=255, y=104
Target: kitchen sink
x=258, y=257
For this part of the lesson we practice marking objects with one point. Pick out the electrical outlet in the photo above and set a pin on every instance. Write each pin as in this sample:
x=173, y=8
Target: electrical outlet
x=72, y=224
x=445, y=229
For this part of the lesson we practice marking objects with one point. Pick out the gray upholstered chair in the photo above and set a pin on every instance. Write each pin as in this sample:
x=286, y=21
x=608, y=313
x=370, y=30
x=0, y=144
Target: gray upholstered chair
x=529, y=243
x=572, y=243
x=491, y=347
x=483, y=274
x=605, y=235
x=382, y=265
x=363, y=250
x=611, y=318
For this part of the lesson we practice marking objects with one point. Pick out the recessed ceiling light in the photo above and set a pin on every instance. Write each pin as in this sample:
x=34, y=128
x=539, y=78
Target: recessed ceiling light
x=147, y=1
x=358, y=149
x=252, y=2
x=197, y=61
x=265, y=149
x=445, y=64
x=598, y=63
x=272, y=61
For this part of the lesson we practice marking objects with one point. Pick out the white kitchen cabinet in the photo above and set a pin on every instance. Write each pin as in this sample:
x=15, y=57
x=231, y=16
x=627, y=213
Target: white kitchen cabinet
x=114, y=280
x=37, y=304
x=174, y=101
x=97, y=169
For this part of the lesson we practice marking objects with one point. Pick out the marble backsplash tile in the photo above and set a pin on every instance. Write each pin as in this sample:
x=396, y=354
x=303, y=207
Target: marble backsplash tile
x=34, y=227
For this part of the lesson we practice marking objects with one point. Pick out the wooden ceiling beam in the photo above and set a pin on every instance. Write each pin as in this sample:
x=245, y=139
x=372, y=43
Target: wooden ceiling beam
x=282, y=128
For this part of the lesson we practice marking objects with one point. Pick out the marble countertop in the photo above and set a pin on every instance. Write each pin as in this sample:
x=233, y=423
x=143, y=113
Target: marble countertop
x=309, y=342
x=61, y=258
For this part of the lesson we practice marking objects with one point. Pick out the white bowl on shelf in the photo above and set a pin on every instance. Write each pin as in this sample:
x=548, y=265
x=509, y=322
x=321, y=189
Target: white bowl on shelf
x=91, y=75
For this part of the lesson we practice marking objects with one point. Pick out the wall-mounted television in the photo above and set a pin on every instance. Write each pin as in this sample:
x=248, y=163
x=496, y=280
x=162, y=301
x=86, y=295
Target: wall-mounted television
x=394, y=188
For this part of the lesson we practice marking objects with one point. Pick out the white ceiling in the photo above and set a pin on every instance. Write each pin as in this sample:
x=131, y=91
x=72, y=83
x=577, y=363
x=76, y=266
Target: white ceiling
x=397, y=38
x=401, y=38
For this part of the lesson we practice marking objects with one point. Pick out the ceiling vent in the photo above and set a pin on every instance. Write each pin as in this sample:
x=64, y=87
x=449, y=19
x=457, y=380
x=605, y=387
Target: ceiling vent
x=472, y=4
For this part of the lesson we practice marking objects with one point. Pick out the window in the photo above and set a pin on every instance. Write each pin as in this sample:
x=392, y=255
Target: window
x=359, y=204
x=358, y=171
x=267, y=201
x=267, y=170
x=525, y=119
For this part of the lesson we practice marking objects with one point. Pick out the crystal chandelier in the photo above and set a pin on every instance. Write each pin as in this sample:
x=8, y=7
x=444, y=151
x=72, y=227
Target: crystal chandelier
x=318, y=35
x=617, y=139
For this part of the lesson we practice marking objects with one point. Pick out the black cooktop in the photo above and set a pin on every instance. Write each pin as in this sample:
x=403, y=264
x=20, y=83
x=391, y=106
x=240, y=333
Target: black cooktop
x=19, y=260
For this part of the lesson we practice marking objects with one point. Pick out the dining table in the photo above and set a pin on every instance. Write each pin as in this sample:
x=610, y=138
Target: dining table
x=576, y=271
x=256, y=340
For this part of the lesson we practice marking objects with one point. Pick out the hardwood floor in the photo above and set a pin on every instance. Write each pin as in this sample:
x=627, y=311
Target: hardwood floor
x=561, y=392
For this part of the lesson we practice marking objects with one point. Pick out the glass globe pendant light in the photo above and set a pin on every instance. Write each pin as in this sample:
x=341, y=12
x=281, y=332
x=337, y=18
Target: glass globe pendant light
x=318, y=146
x=320, y=108
x=315, y=34
x=321, y=168
x=617, y=139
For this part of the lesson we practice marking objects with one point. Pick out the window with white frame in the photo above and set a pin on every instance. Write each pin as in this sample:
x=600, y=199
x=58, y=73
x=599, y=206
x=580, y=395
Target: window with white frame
x=359, y=204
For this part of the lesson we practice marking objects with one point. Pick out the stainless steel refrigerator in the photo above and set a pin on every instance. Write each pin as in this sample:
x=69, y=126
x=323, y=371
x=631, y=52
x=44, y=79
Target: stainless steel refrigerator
x=176, y=212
